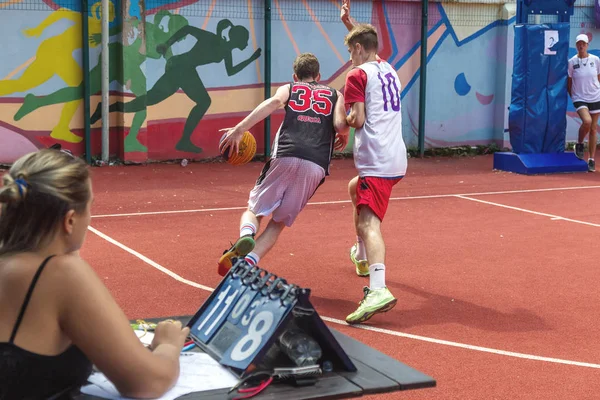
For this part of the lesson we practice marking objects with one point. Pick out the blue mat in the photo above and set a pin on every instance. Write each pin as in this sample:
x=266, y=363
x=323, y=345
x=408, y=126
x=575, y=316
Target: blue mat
x=539, y=163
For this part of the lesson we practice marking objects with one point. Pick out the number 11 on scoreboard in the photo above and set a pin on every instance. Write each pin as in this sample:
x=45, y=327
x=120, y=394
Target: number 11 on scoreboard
x=223, y=299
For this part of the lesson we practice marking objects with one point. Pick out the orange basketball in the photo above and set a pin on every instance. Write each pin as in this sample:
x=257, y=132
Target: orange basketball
x=246, y=150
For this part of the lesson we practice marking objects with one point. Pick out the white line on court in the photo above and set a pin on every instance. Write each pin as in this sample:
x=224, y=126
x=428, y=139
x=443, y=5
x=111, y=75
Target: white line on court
x=170, y=212
x=433, y=196
x=149, y=261
x=551, y=216
x=368, y=328
x=465, y=346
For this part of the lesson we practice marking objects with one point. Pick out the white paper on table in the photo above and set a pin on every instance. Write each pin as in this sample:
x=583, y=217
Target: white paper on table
x=198, y=372
x=145, y=337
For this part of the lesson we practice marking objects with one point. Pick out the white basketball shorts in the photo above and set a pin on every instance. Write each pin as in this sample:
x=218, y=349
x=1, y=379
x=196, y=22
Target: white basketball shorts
x=284, y=187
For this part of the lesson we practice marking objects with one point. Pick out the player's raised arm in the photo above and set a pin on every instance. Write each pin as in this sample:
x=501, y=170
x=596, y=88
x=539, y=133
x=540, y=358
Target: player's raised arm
x=348, y=21
x=345, y=15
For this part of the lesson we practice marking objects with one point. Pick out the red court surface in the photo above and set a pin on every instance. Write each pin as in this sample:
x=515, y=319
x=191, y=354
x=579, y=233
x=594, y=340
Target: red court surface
x=496, y=274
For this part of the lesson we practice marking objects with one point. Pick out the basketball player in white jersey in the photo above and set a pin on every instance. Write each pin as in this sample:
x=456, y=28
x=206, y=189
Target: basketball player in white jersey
x=373, y=94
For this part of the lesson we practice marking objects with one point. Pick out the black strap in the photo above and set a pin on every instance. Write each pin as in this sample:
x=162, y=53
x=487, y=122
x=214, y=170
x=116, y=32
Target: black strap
x=27, y=298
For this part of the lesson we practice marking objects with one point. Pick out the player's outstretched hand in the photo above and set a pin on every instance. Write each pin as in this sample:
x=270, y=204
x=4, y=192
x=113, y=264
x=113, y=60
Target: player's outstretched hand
x=232, y=140
x=170, y=332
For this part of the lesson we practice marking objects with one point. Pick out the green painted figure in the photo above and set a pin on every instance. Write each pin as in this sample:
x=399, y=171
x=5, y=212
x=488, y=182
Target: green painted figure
x=180, y=73
x=131, y=76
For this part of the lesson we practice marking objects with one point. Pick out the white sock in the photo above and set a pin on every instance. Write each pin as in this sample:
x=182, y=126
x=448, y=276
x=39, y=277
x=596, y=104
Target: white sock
x=248, y=228
x=252, y=258
x=376, y=276
x=361, y=251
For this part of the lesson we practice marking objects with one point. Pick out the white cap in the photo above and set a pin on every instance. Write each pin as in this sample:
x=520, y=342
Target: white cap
x=582, y=37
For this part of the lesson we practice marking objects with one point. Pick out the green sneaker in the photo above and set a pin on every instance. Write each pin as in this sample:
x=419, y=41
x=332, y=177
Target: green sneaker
x=362, y=266
x=375, y=301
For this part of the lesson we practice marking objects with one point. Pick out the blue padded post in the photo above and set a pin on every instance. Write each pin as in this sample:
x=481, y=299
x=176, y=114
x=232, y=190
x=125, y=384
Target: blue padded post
x=537, y=119
x=561, y=8
x=537, y=114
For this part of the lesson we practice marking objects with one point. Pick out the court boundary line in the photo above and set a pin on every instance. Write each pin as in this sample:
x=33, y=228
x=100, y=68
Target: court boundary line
x=364, y=327
x=149, y=261
x=465, y=346
x=551, y=216
x=434, y=196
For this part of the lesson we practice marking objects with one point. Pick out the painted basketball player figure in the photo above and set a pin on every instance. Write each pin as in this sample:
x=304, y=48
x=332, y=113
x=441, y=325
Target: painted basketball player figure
x=131, y=75
x=180, y=73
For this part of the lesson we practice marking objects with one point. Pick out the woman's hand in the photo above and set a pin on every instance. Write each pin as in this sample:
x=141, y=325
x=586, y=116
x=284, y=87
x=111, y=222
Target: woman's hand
x=170, y=332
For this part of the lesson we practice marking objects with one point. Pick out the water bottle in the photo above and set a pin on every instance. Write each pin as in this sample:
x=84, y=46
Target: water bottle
x=302, y=349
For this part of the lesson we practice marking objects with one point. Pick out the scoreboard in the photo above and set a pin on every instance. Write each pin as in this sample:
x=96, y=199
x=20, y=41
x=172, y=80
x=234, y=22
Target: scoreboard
x=247, y=313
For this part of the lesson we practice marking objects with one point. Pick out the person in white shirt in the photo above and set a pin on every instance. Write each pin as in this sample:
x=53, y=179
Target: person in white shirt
x=583, y=85
x=372, y=93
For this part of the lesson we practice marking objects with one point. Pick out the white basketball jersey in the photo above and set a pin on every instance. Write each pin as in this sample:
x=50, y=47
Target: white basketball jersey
x=379, y=148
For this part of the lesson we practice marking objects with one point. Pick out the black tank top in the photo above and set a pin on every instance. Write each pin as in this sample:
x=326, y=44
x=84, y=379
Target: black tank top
x=26, y=376
x=307, y=130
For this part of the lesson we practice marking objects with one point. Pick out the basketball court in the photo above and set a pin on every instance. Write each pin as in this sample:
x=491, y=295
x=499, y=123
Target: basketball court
x=495, y=273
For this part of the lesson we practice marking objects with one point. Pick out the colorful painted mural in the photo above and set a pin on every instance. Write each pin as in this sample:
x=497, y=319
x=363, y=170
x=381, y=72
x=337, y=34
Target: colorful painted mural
x=181, y=71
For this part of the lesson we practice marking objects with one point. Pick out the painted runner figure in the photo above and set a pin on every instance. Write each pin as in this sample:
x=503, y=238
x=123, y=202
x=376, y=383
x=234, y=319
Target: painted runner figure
x=180, y=73
x=131, y=76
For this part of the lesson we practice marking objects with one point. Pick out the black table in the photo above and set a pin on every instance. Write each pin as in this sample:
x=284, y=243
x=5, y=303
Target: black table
x=376, y=373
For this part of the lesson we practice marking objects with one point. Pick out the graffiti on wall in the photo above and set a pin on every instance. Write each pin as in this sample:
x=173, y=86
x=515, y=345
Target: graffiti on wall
x=464, y=66
x=180, y=74
x=45, y=68
x=177, y=77
x=54, y=57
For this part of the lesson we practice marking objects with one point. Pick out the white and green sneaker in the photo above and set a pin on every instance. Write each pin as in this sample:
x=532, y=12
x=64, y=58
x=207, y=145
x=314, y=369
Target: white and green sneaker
x=374, y=301
x=362, y=266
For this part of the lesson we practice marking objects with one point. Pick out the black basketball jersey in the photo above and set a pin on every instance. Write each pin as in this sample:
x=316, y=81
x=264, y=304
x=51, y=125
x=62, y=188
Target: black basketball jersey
x=307, y=130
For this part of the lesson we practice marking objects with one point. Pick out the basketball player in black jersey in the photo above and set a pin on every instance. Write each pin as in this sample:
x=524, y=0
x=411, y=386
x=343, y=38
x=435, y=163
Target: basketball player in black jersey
x=313, y=127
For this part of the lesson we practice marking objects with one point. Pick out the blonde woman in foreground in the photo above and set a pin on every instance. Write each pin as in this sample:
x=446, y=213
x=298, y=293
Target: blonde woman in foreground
x=57, y=318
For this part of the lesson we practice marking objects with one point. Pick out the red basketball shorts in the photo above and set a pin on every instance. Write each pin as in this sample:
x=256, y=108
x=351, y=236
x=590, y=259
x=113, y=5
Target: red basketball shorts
x=375, y=192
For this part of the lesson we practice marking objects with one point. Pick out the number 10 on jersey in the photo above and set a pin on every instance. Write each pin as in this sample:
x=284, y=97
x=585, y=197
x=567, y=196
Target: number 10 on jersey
x=390, y=91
